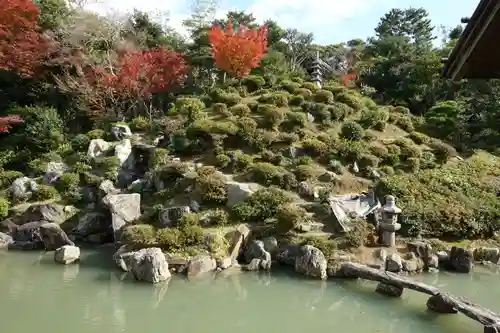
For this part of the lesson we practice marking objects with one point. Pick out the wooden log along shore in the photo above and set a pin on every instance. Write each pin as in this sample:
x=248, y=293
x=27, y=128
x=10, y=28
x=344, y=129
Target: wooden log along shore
x=439, y=301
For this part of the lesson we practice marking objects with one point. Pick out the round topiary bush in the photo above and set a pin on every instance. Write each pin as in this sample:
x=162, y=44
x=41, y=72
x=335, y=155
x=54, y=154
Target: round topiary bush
x=273, y=116
x=253, y=82
x=241, y=110
x=68, y=181
x=220, y=108
x=4, y=208
x=140, y=124
x=212, y=188
x=191, y=107
x=306, y=93
x=296, y=100
x=352, y=131
x=80, y=142
x=323, y=96
x=96, y=134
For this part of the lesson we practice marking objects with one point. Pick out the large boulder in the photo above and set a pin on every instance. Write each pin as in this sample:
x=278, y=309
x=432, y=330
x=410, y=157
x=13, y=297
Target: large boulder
x=149, y=265
x=461, y=259
x=311, y=262
x=287, y=254
x=238, y=192
x=121, y=131
x=54, y=171
x=53, y=213
x=123, y=151
x=23, y=188
x=98, y=147
x=91, y=223
x=40, y=234
x=238, y=241
x=5, y=240
x=200, y=265
x=122, y=257
x=67, y=254
x=124, y=208
x=256, y=250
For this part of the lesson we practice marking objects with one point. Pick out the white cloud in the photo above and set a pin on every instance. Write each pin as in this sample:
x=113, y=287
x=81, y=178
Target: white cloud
x=317, y=16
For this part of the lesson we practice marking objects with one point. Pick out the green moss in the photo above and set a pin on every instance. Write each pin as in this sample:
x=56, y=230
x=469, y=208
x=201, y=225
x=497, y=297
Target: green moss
x=4, y=208
x=45, y=192
x=69, y=181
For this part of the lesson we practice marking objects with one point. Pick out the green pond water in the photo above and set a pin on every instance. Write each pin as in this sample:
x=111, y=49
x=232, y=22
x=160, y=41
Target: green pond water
x=37, y=295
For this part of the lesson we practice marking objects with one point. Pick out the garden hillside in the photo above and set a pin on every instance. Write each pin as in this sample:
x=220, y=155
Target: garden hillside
x=178, y=141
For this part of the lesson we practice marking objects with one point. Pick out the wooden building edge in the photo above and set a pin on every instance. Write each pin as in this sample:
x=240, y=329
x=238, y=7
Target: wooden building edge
x=477, y=52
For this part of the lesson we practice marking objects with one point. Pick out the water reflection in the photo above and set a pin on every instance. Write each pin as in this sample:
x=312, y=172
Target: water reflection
x=93, y=297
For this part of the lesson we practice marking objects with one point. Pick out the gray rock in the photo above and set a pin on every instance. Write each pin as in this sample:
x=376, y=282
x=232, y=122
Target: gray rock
x=121, y=131
x=98, y=147
x=381, y=254
x=491, y=254
x=310, y=117
x=393, y=263
x=254, y=265
x=389, y=290
x=433, y=262
x=256, y=250
x=238, y=241
x=171, y=215
x=461, y=259
x=200, y=265
x=67, y=254
x=238, y=192
x=122, y=257
x=123, y=151
x=91, y=223
x=54, y=171
x=328, y=176
x=53, y=236
x=124, y=208
x=311, y=262
x=270, y=244
x=107, y=187
x=23, y=188
x=149, y=265
x=53, y=213
x=225, y=263
x=5, y=240
x=443, y=256
x=287, y=254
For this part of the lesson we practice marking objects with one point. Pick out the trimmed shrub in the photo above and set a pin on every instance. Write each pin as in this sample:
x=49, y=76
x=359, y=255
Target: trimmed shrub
x=289, y=86
x=96, y=134
x=340, y=111
x=68, y=181
x=419, y=138
x=240, y=110
x=368, y=161
x=140, y=124
x=191, y=107
x=336, y=166
x=80, y=142
x=220, y=108
x=371, y=117
x=159, y=157
x=296, y=100
x=45, y=192
x=222, y=161
x=273, y=116
x=4, y=208
x=253, y=82
x=349, y=99
x=307, y=172
x=8, y=176
x=352, y=131
x=323, y=96
x=405, y=123
x=314, y=147
x=138, y=234
x=442, y=151
x=305, y=93
x=212, y=188
x=261, y=205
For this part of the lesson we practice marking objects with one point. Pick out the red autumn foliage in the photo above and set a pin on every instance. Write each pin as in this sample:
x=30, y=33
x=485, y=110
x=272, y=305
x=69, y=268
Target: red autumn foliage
x=237, y=52
x=8, y=121
x=22, y=46
x=349, y=78
x=140, y=74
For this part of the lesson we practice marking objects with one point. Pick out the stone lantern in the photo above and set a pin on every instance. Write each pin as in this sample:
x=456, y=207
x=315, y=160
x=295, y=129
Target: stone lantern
x=389, y=224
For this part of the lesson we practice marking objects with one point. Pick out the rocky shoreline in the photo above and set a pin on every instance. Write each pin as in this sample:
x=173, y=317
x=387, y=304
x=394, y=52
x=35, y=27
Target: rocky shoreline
x=38, y=228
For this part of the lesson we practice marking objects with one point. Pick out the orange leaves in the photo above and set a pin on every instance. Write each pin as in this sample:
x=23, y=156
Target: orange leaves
x=237, y=52
x=22, y=46
x=349, y=78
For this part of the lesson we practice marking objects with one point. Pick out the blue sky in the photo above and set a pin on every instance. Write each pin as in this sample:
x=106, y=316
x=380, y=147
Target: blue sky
x=331, y=21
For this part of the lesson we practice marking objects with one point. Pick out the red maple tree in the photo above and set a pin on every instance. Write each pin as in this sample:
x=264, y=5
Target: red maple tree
x=136, y=76
x=142, y=73
x=8, y=121
x=22, y=45
x=237, y=52
x=349, y=78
